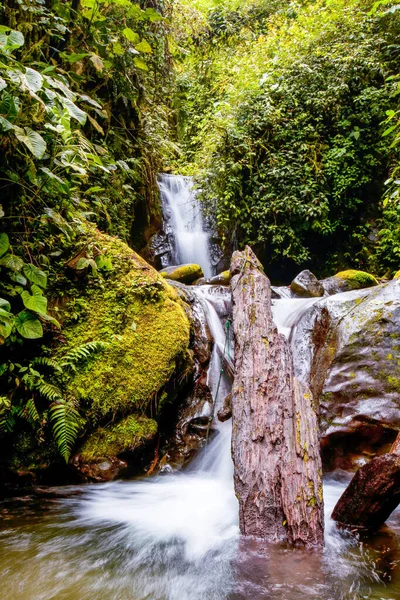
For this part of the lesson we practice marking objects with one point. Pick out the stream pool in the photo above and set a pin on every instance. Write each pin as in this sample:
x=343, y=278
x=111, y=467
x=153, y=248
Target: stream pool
x=175, y=537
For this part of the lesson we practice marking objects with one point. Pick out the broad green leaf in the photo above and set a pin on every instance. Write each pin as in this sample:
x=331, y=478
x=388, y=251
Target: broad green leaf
x=3, y=84
x=35, y=302
x=90, y=101
x=35, y=275
x=33, y=80
x=18, y=278
x=144, y=47
x=5, y=305
x=131, y=35
x=74, y=111
x=32, y=140
x=4, y=243
x=5, y=125
x=5, y=329
x=52, y=175
x=28, y=325
x=50, y=319
x=72, y=58
x=152, y=15
x=140, y=64
x=12, y=262
x=118, y=49
x=16, y=39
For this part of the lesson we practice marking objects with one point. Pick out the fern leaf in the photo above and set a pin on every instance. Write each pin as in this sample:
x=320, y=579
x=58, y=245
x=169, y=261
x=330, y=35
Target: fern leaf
x=7, y=420
x=78, y=356
x=51, y=392
x=47, y=362
x=65, y=424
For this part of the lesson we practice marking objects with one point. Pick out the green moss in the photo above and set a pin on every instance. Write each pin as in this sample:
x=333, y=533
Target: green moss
x=183, y=273
x=120, y=437
x=142, y=320
x=397, y=275
x=357, y=279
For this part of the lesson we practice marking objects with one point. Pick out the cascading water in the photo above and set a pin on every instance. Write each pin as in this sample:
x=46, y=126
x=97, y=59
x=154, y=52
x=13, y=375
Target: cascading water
x=184, y=222
x=175, y=536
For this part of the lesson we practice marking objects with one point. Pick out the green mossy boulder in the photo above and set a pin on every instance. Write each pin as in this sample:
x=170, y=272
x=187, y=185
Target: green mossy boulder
x=397, y=275
x=127, y=435
x=345, y=281
x=142, y=321
x=183, y=273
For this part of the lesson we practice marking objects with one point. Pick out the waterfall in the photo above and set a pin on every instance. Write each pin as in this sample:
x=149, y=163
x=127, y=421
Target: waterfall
x=184, y=223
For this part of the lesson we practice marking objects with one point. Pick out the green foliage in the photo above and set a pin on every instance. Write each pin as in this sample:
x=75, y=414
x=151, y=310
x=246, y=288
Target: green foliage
x=38, y=396
x=21, y=292
x=281, y=117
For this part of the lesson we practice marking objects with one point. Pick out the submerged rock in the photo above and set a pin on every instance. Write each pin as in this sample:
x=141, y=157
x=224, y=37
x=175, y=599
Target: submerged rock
x=183, y=273
x=306, y=285
x=348, y=280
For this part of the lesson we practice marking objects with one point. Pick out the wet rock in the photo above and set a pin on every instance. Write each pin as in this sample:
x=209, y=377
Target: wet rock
x=223, y=278
x=101, y=469
x=183, y=273
x=225, y=412
x=306, y=285
x=348, y=350
x=111, y=450
x=159, y=249
x=372, y=495
x=348, y=280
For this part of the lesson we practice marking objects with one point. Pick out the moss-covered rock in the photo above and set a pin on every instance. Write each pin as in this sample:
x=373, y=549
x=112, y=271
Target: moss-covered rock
x=183, y=273
x=142, y=321
x=345, y=281
x=223, y=278
x=397, y=275
x=125, y=436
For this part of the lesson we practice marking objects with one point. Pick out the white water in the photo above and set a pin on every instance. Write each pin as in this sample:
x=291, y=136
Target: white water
x=182, y=211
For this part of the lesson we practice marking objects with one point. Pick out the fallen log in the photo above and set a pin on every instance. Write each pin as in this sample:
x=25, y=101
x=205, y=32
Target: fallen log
x=275, y=446
x=373, y=493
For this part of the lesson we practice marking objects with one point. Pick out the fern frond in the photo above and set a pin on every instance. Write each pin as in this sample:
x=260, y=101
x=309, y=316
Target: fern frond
x=47, y=362
x=30, y=413
x=65, y=421
x=78, y=356
x=51, y=392
x=7, y=420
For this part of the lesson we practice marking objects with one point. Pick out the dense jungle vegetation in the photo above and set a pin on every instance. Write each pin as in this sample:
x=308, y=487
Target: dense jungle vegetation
x=287, y=113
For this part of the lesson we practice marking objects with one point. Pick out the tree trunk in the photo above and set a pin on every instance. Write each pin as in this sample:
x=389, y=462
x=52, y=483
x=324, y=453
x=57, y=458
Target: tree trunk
x=373, y=493
x=275, y=446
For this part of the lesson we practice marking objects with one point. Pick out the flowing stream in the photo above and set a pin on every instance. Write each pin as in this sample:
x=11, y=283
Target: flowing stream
x=175, y=536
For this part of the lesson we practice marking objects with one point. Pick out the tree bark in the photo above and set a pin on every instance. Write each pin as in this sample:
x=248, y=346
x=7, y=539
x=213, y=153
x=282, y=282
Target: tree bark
x=373, y=493
x=275, y=446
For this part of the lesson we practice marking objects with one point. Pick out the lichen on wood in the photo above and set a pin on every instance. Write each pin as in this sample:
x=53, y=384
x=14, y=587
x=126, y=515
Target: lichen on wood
x=275, y=448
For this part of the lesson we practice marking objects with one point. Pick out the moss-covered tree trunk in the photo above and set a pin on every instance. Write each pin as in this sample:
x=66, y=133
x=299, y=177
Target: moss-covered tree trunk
x=275, y=447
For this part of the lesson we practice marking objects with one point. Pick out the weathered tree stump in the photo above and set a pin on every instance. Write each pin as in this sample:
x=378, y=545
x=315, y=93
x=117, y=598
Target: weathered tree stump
x=275, y=446
x=373, y=493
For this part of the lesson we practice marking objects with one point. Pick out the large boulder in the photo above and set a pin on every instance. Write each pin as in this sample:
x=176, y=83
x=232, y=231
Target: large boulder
x=348, y=280
x=183, y=273
x=306, y=285
x=348, y=350
x=109, y=450
x=142, y=321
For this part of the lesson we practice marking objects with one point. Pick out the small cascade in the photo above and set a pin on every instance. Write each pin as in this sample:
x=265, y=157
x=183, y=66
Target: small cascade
x=184, y=223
